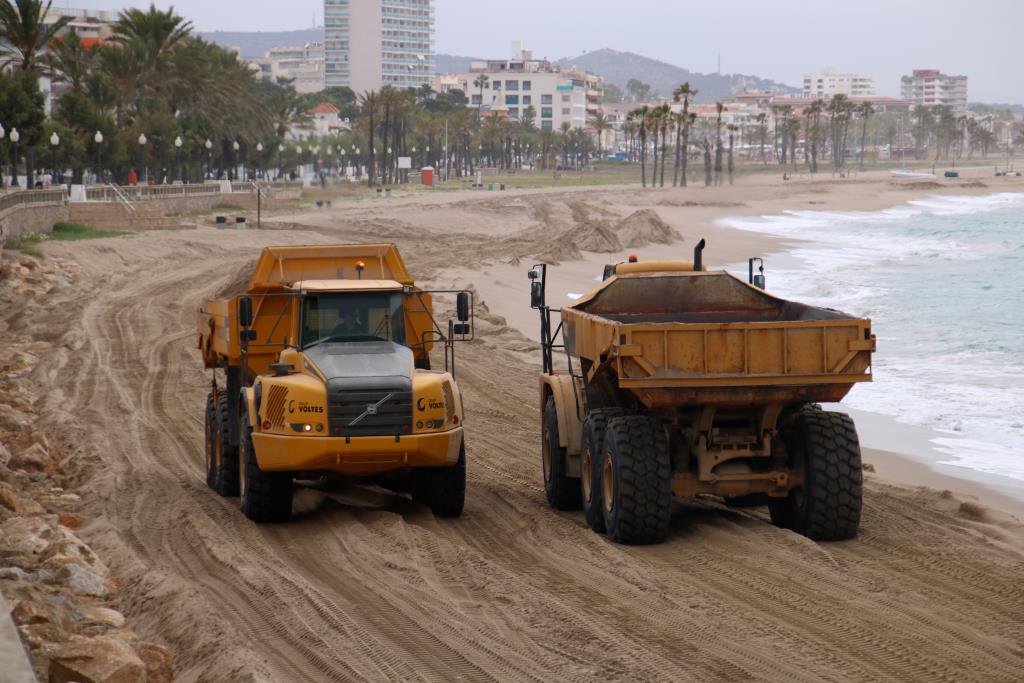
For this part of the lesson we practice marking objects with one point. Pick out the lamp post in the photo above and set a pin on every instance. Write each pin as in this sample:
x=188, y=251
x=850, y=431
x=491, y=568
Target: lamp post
x=342, y=163
x=98, y=139
x=55, y=143
x=142, y=156
x=209, y=157
x=234, y=161
x=177, y=157
x=259, y=159
x=280, y=153
x=15, y=136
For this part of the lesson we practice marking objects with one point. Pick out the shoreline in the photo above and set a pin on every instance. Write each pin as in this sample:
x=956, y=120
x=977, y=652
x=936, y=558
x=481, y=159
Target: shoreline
x=914, y=461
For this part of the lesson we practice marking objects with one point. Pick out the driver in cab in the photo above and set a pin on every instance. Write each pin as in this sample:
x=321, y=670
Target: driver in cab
x=351, y=323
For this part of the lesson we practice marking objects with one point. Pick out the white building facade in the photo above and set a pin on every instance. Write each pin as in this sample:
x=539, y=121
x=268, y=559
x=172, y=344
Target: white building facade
x=828, y=84
x=369, y=44
x=557, y=96
x=302, y=65
x=930, y=87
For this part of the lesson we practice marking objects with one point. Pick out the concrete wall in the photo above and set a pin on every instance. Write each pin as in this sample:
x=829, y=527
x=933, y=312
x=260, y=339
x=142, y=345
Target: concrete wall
x=31, y=218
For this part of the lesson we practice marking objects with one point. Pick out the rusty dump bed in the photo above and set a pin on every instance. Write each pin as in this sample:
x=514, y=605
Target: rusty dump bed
x=718, y=339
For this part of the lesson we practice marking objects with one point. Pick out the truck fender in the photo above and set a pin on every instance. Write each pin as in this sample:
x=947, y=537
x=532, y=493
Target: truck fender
x=570, y=426
x=249, y=401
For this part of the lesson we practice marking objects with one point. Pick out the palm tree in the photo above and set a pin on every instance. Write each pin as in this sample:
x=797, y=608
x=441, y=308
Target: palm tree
x=23, y=35
x=719, y=107
x=160, y=32
x=480, y=82
x=865, y=109
x=707, y=162
x=641, y=115
x=732, y=128
x=813, y=114
x=762, y=125
x=70, y=62
x=370, y=103
x=600, y=123
x=682, y=93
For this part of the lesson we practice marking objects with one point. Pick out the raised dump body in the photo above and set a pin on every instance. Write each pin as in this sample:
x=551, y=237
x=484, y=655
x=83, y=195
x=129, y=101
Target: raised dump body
x=322, y=365
x=683, y=381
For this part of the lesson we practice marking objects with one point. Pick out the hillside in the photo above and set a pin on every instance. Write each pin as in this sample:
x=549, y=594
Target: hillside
x=619, y=67
x=255, y=43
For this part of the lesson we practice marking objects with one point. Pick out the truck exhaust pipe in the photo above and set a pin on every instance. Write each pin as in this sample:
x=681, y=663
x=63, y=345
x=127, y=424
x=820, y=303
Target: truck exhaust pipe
x=697, y=256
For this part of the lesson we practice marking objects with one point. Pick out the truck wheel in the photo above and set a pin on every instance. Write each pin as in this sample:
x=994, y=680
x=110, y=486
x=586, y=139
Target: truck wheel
x=211, y=442
x=591, y=449
x=266, y=496
x=563, y=493
x=226, y=476
x=636, y=480
x=827, y=507
x=442, y=489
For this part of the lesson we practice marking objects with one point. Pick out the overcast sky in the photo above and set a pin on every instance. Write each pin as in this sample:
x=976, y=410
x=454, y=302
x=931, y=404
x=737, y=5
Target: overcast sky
x=779, y=39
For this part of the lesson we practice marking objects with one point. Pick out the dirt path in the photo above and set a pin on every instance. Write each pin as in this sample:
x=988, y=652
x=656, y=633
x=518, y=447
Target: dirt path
x=365, y=585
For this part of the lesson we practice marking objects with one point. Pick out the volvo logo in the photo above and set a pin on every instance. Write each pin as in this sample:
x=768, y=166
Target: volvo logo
x=423, y=403
x=371, y=409
x=291, y=407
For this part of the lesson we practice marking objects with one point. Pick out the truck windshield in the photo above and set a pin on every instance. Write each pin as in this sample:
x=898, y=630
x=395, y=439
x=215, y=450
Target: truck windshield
x=351, y=318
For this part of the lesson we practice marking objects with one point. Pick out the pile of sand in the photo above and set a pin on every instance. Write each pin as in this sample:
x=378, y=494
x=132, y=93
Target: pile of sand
x=645, y=227
x=558, y=250
x=237, y=284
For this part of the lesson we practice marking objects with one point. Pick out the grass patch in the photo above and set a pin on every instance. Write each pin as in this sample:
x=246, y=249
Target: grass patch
x=71, y=232
x=62, y=232
x=226, y=207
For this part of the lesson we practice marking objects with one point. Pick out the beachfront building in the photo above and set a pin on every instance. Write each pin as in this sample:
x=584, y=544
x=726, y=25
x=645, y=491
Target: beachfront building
x=303, y=66
x=369, y=44
x=322, y=120
x=511, y=86
x=828, y=84
x=931, y=87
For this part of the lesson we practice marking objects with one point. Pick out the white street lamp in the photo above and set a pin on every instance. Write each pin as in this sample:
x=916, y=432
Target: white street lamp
x=235, y=145
x=15, y=136
x=142, y=138
x=177, y=155
x=55, y=143
x=259, y=146
x=178, y=142
x=98, y=139
x=55, y=139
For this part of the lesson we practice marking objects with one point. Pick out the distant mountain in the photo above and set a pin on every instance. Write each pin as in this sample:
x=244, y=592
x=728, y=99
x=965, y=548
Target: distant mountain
x=451, y=64
x=619, y=67
x=255, y=43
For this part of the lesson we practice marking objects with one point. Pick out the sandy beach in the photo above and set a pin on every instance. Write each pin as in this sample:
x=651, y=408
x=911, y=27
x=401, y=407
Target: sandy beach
x=364, y=585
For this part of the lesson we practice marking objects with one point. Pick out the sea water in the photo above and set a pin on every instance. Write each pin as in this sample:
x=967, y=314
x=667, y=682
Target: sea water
x=942, y=280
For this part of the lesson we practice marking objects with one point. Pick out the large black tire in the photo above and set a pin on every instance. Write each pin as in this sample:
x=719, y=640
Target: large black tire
x=266, y=496
x=562, y=491
x=442, y=489
x=225, y=479
x=211, y=441
x=824, y=445
x=636, y=480
x=591, y=450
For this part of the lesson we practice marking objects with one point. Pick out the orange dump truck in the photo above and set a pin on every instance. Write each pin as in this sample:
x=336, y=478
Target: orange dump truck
x=679, y=381
x=323, y=367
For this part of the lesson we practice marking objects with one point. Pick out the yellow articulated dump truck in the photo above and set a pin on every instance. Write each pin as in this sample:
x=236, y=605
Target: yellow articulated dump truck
x=323, y=367
x=673, y=381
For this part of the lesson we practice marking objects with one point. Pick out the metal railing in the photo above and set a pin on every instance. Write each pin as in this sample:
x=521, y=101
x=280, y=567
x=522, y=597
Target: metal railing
x=143, y=192
x=120, y=197
x=18, y=198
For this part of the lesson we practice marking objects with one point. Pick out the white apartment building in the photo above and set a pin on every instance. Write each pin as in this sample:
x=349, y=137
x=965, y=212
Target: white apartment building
x=512, y=86
x=930, y=87
x=369, y=44
x=828, y=84
x=302, y=65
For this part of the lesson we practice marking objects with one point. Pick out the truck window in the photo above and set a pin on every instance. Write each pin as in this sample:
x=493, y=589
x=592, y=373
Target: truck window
x=352, y=317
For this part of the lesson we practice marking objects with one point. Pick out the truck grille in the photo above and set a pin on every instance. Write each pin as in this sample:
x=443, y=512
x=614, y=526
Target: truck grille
x=380, y=412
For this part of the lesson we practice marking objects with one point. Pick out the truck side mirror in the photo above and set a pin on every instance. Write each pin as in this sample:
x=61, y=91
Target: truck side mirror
x=245, y=312
x=759, y=280
x=536, y=275
x=462, y=306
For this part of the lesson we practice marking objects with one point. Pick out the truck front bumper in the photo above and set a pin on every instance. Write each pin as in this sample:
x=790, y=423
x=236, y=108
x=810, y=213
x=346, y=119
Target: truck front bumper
x=359, y=455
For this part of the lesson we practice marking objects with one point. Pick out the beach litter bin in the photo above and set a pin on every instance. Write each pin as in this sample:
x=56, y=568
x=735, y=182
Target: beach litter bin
x=490, y=187
x=501, y=187
x=952, y=174
x=239, y=221
x=221, y=221
x=427, y=176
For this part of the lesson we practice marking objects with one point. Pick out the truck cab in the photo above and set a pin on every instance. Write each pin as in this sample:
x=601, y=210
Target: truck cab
x=334, y=376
